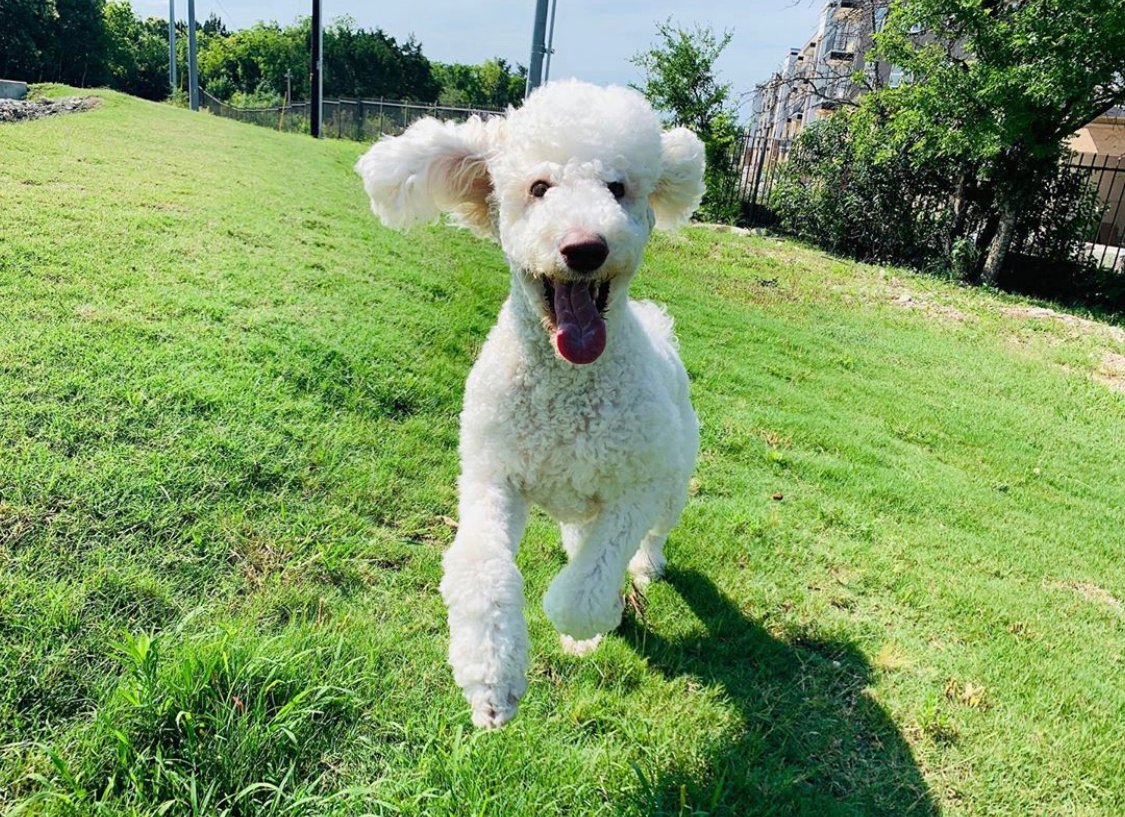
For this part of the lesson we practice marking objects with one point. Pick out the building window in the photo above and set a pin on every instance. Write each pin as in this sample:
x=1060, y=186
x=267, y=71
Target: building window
x=871, y=72
x=880, y=18
x=899, y=77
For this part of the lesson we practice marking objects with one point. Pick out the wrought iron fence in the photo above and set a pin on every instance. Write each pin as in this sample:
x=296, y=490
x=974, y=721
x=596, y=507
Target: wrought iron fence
x=360, y=119
x=1106, y=176
x=746, y=184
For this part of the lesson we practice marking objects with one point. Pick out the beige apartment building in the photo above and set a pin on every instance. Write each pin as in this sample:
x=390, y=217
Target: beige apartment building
x=817, y=78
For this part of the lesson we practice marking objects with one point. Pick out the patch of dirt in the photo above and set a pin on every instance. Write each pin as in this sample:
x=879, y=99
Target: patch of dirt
x=727, y=228
x=1090, y=592
x=17, y=110
x=1112, y=371
x=912, y=301
x=1083, y=325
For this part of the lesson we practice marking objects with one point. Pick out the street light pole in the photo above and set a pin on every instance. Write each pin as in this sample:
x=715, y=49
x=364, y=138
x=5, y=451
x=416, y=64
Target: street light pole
x=193, y=74
x=172, y=45
x=538, y=47
x=317, y=84
x=549, y=49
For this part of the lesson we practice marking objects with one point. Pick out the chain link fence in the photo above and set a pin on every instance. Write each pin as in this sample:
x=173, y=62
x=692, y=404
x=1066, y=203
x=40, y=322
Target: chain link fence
x=362, y=120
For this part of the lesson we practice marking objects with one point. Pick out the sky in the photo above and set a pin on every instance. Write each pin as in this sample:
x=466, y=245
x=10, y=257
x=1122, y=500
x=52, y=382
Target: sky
x=593, y=40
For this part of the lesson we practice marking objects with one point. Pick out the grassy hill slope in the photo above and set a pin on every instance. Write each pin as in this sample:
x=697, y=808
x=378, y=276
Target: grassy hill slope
x=228, y=426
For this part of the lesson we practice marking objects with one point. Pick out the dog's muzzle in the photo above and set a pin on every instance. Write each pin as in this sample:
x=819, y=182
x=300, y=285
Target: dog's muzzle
x=575, y=306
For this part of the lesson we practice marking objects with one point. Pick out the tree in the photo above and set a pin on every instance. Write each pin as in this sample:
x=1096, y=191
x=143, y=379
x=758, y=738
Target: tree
x=256, y=60
x=460, y=84
x=680, y=81
x=492, y=84
x=371, y=63
x=26, y=28
x=500, y=85
x=214, y=25
x=79, y=44
x=999, y=86
x=137, y=52
x=680, y=76
x=96, y=42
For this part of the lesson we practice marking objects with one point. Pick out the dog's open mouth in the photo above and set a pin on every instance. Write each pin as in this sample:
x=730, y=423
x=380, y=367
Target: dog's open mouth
x=576, y=315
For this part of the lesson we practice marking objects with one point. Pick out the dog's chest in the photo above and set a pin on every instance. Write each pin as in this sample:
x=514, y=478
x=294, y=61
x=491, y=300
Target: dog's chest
x=580, y=445
x=571, y=438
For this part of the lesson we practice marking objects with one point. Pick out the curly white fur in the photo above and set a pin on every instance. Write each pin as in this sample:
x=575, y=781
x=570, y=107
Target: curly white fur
x=607, y=448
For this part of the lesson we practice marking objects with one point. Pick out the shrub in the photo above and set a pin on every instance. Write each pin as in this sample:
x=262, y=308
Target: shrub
x=849, y=188
x=836, y=192
x=262, y=97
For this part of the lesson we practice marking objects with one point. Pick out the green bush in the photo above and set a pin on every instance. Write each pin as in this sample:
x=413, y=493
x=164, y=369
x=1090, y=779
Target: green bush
x=836, y=192
x=850, y=190
x=720, y=201
x=262, y=97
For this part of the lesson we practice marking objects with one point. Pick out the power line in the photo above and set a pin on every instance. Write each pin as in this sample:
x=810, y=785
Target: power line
x=228, y=16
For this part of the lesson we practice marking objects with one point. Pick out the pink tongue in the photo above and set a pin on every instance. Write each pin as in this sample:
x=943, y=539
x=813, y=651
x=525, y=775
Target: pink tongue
x=581, y=331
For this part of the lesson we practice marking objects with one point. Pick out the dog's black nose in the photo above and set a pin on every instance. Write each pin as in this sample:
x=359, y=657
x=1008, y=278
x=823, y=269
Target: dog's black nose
x=584, y=251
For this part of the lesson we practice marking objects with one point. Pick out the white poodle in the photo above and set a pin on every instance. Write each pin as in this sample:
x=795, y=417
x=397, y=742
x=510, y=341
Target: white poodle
x=578, y=402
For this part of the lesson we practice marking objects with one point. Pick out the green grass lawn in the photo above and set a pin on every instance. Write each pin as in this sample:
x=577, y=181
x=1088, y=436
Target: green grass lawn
x=228, y=429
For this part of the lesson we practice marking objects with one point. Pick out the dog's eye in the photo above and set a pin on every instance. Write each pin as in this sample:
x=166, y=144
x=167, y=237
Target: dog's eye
x=617, y=189
x=539, y=189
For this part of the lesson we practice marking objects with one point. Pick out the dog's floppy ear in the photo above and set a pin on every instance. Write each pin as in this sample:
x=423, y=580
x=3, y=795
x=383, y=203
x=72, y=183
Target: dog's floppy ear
x=433, y=167
x=680, y=187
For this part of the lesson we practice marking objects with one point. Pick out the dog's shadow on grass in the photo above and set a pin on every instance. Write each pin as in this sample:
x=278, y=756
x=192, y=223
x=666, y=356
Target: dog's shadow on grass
x=812, y=743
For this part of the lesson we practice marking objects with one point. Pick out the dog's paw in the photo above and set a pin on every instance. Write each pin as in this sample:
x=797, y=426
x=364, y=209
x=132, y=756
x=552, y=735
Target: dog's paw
x=644, y=570
x=572, y=646
x=493, y=706
x=578, y=613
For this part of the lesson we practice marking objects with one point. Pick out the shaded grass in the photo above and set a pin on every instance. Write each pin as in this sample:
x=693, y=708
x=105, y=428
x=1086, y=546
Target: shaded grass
x=228, y=407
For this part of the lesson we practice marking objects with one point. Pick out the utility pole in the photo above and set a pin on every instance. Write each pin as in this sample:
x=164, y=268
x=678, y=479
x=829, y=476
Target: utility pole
x=193, y=74
x=538, y=47
x=550, y=49
x=317, y=83
x=172, y=45
x=288, y=87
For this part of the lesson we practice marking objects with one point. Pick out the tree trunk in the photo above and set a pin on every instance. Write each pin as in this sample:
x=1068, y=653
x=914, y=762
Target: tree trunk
x=983, y=239
x=960, y=205
x=1001, y=242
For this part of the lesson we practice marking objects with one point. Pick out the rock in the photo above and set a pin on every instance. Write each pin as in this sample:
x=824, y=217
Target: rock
x=13, y=110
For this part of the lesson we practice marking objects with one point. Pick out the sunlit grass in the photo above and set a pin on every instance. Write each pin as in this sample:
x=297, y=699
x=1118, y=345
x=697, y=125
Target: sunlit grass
x=228, y=409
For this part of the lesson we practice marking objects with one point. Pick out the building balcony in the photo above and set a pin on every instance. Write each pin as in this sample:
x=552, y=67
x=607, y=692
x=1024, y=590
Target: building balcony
x=846, y=8
x=838, y=56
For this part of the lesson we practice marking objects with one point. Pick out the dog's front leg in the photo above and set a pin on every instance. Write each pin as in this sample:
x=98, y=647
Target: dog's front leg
x=483, y=591
x=584, y=600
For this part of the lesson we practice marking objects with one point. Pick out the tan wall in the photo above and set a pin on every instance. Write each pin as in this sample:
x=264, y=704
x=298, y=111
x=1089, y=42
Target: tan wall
x=1103, y=137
